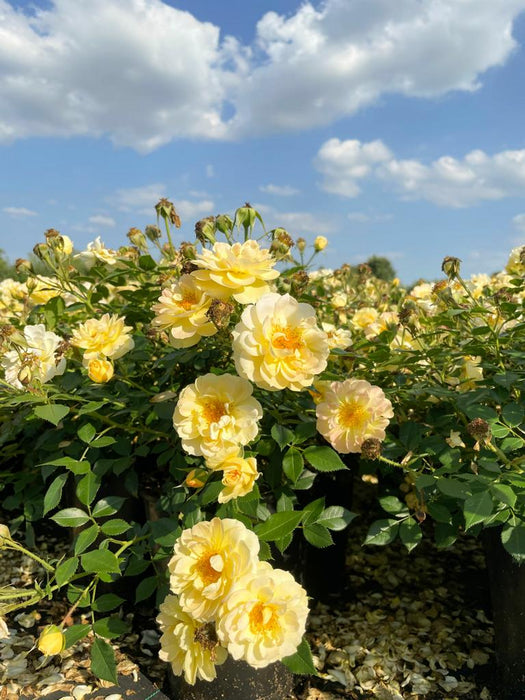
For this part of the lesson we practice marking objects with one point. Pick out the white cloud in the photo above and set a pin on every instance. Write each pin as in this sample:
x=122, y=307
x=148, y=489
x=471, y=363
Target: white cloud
x=171, y=76
x=19, y=212
x=139, y=198
x=193, y=210
x=448, y=181
x=210, y=170
x=519, y=222
x=279, y=190
x=295, y=222
x=100, y=220
x=361, y=217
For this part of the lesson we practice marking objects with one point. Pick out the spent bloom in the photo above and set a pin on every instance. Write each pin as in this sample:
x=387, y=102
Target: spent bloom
x=182, y=312
x=190, y=646
x=264, y=617
x=207, y=559
x=277, y=344
x=38, y=359
x=216, y=414
x=351, y=412
x=241, y=271
x=107, y=336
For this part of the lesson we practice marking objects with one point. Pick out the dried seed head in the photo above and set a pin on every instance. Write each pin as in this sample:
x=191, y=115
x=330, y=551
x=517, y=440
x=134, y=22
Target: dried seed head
x=153, y=232
x=205, y=230
x=188, y=250
x=371, y=449
x=450, y=266
x=219, y=313
x=479, y=429
x=299, y=282
x=206, y=635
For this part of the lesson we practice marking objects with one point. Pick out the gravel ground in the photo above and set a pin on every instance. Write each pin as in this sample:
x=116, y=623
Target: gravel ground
x=410, y=627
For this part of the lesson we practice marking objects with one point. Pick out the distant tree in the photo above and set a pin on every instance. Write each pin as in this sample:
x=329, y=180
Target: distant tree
x=381, y=268
x=6, y=269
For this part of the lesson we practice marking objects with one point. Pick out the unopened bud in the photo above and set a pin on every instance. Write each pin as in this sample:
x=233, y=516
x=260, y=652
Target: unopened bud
x=301, y=245
x=245, y=216
x=51, y=641
x=450, y=266
x=195, y=479
x=224, y=223
x=41, y=250
x=136, y=237
x=100, y=371
x=22, y=265
x=25, y=375
x=205, y=230
x=479, y=429
x=5, y=535
x=153, y=233
x=371, y=449
x=51, y=234
x=320, y=243
x=219, y=313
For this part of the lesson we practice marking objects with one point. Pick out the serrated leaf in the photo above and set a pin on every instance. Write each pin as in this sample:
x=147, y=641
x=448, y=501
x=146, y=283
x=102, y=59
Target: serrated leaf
x=452, y=488
x=87, y=432
x=336, y=517
x=53, y=412
x=278, y=525
x=324, y=459
x=110, y=627
x=317, y=535
x=103, y=663
x=439, y=513
x=313, y=511
x=410, y=533
x=70, y=517
x=75, y=633
x=293, y=464
x=513, y=539
x=103, y=441
x=74, y=465
x=107, y=602
x=146, y=588
x=477, y=508
x=85, y=538
x=90, y=407
x=65, y=570
x=304, y=431
x=382, y=532
x=301, y=662
x=54, y=492
x=87, y=488
x=100, y=560
x=392, y=505
x=282, y=436
x=513, y=414
x=115, y=527
x=505, y=494
x=107, y=506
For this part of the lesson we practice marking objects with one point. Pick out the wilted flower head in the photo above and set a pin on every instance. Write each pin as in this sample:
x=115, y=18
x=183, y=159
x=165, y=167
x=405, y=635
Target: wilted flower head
x=190, y=646
x=38, y=356
x=264, y=617
x=215, y=414
x=207, y=560
x=241, y=271
x=107, y=336
x=277, y=344
x=351, y=412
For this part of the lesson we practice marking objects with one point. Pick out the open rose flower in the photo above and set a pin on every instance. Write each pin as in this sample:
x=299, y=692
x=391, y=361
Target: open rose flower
x=239, y=474
x=40, y=359
x=107, y=336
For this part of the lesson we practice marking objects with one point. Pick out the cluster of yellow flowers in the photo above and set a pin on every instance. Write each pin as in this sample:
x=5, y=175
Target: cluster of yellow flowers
x=36, y=356
x=227, y=601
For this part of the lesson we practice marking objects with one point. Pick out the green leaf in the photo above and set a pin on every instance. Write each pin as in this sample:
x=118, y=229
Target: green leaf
x=382, y=532
x=410, y=533
x=445, y=534
x=107, y=602
x=425, y=481
x=70, y=517
x=304, y=431
x=53, y=412
x=317, y=535
x=324, y=459
x=103, y=441
x=513, y=414
x=75, y=633
x=452, y=488
x=85, y=538
x=54, y=492
x=115, y=527
x=103, y=663
x=312, y=511
x=301, y=662
x=511, y=444
x=505, y=494
x=305, y=481
x=165, y=531
x=107, y=506
x=87, y=488
x=477, y=508
x=146, y=262
x=146, y=588
x=393, y=505
x=411, y=434
x=278, y=525
x=72, y=464
x=52, y=311
x=439, y=513
x=90, y=407
x=293, y=464
x=65, y=570
x=282, y=436
x=87, y=432
x=513, y=539
x=336, y=517
x=110, y=627
x=100, y=560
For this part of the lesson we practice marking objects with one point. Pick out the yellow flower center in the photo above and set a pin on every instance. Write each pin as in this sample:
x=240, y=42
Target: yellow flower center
x=187, y=302
x=264, y=619
x=209, y=568
x=213, y=410
x=287, y=338
x=353, y=415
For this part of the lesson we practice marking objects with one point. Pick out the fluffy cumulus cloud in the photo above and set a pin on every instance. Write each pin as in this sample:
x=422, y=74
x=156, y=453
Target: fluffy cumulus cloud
x=295, y=222
x=279, y=190
x=447, y=181
x=102, y=220
x=19, y=212
x=142, y=200
x=144, y=73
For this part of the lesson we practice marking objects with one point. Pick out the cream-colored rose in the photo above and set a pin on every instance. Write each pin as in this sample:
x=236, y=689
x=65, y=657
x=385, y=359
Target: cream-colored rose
x=215, y=414
x=107, y=336
x=422, y=295
x=339, y=300
x=364, y=318
x=51, y=641
x=516, y=262
x=264, y=618
x=207, y=559
x=37, y=361
x=239, y=474
x=277, y=344
x=97, y=252
x=100, y=371
x=241, y=271
x=67, y=245
x=182, y=312
x=12, y=295
x=470, y=373
x=339, y=338
x=190, y=646
x=320, y=243
x=351, y=412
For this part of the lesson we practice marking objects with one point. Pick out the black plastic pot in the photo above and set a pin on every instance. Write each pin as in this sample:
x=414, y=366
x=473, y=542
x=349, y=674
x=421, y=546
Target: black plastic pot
x=236, y=680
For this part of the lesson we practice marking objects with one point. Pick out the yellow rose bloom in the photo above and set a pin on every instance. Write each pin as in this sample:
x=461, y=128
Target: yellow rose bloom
x=351, y=412
x=364, y=318
x=239, y=474
x=51, y=641
x=207, y=559
x=516, y=262
x=100, y=371
x=320, y=243
x=43, y=289
x=277, y=344
x=264, y=618
x=106, y=336
x=190, y=646
x=215, y=414
x=37, y=360
x=241, y=271
x=339, y=338
x=97, y=252
x=470, y=373
x=181, y=311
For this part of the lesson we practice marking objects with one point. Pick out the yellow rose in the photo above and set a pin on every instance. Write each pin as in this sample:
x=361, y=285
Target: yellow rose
x=100, y=371
x=106, y=336
x=241, y=271
x=182, y=312
x=340, y=338
x=43, y=290
x=320, y=243
x=207, y=559
x=352, y=412
x=364, y=317
x=239, y=474
x=37, y=361
x=278, y=345
x=4, y=534
x=264, y=618
x=216, y=414
x=51, y=641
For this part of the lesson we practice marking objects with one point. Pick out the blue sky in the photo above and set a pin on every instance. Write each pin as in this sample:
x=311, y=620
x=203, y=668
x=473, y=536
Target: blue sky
x=392, y=128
